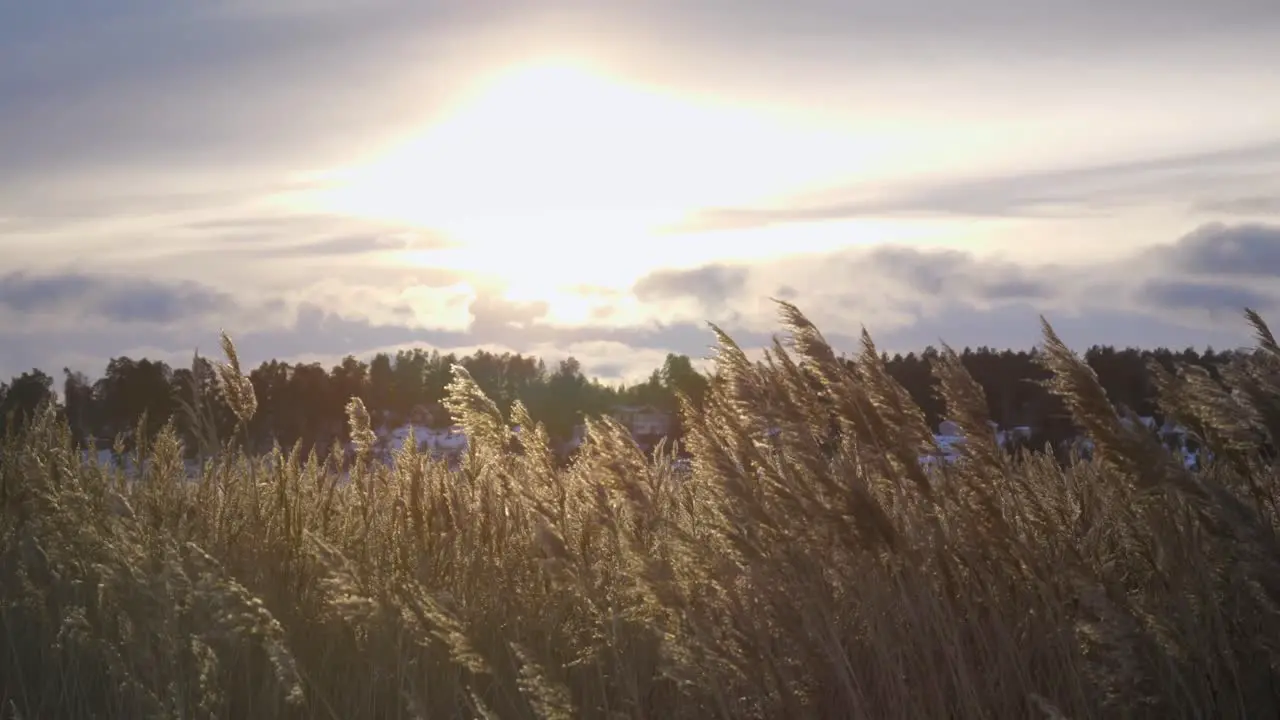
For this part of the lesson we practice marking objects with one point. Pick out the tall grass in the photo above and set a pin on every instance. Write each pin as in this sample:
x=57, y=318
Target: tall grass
x=786, y=577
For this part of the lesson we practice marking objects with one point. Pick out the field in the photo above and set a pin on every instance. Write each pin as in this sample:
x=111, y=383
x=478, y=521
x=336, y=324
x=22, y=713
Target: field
x=823, y=573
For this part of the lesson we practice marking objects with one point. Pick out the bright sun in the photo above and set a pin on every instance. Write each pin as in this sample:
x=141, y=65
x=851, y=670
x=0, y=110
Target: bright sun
x=553, y=175
x=544, y=161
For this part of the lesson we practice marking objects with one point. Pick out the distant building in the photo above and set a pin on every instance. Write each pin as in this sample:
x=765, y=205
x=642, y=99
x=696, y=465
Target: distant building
x=644, y=421
x=566, y=449
x=949, y=428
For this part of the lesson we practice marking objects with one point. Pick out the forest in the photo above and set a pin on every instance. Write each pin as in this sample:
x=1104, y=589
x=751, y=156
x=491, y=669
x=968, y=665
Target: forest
x=305, y=403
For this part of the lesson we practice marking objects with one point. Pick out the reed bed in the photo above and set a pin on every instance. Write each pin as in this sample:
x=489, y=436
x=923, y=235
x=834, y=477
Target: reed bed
x=817, y=572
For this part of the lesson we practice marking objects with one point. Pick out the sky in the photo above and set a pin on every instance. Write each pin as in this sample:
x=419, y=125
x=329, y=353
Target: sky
x=332, y=177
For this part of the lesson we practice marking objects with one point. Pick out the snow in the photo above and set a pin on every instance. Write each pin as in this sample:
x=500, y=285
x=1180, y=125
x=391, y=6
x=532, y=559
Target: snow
x=107, y=459
x=450, y=444
x=443, y=442
x=450, y=439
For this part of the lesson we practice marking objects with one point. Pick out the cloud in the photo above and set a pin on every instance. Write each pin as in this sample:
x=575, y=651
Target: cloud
x=1074, y=192
x=1013, y=289
x=342, y=245
x=149, y=141
x=1017, y=325
x=212, y=76
x=1190, y=288
x=907, y=296
x=116, y=299
x=259, y=253
x=81, y=319
x=113, y=110
x=953, y=273
x=1245, y=205
x=1008, y=23
x=1214, y=298
x=711, y=285
x=272, y=242
x=236, y=94
x=321, y=333
x=1249, y=250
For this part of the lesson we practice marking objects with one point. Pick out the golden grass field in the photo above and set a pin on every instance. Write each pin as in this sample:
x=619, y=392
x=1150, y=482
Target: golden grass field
x=777, y=580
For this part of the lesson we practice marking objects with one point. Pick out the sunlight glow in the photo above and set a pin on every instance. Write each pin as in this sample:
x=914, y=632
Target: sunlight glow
x=557, y=172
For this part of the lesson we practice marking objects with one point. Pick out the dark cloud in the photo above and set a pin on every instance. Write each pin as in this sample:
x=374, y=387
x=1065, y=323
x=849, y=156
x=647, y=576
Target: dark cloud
x=711, y=285
x=1196, y=286
x=952, y=273
x=1248, y=250
x=1016, y=289
x=118, y=299
x=927, y=272
x=1187, y=295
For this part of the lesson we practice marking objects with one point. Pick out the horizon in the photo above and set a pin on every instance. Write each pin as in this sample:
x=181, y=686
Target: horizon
x=704, y=365
x=325, y=178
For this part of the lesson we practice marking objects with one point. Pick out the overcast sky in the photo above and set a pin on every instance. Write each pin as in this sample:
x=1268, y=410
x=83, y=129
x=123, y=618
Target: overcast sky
x=332, y=177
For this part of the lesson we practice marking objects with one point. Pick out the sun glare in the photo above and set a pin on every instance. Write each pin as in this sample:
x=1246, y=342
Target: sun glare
x=556, y=171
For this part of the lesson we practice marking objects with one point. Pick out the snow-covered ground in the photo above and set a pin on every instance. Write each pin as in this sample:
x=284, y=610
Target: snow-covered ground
x=450, y=440
x=451, y=444
x=950, y=440
x=108, y=459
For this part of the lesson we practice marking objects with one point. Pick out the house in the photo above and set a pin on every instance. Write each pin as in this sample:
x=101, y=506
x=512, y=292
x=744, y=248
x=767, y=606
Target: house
x=952, y=429
x=565, y=449
x=643, y=420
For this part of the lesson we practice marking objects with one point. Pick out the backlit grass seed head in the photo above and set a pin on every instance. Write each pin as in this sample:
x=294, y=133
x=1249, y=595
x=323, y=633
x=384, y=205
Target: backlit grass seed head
x=362, y=435
x=1266, y=340
x=235, y=386
x=549, y=699
x=475, y=411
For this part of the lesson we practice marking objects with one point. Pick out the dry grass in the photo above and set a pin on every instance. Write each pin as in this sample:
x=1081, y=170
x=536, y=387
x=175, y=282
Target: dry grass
x=796, y=578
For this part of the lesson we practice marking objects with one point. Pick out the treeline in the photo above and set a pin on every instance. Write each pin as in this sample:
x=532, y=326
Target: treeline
x=304, y=402
x=1017, y=396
